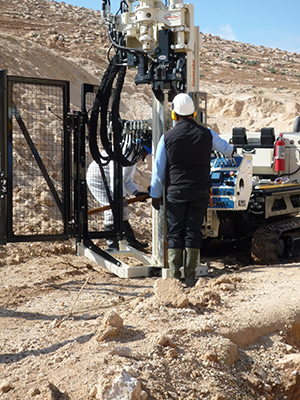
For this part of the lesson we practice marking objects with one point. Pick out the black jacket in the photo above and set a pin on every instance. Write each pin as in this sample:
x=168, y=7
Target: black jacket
x=188, y=147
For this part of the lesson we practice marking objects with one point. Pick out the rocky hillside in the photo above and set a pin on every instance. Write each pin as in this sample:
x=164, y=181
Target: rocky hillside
x=247, y=85
x=250, y=86
x=55, y=40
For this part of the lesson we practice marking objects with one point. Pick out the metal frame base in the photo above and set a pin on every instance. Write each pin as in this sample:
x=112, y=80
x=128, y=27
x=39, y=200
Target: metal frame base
x=123, y=270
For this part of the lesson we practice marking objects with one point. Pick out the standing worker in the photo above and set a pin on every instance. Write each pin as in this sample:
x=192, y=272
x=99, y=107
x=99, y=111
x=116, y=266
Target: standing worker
x=182, y=164
x=96, y=185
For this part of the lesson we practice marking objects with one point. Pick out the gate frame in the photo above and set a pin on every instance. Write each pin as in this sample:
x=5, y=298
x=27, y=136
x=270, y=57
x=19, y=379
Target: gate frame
x=6, y=140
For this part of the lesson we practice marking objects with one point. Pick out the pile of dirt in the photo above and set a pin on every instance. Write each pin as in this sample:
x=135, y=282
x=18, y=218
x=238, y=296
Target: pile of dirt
x=69, y=329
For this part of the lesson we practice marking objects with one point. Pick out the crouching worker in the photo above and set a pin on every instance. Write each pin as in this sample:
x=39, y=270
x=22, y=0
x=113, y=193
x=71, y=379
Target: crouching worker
x=182, y=165
x=96, y=186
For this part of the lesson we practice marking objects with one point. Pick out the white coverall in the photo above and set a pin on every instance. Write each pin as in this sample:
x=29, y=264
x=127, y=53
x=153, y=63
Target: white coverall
x=96, y=185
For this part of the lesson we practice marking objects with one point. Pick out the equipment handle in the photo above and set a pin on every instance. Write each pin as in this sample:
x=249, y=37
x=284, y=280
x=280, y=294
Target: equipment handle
x=108, y=207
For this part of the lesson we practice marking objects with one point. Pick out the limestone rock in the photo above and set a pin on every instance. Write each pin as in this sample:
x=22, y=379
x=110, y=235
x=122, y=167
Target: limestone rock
x=119, y=386
x=229, y=352
x=112, y=319
x=171, y=353
x=165, y=341
x=205, y=298
x=47, y=199
x=290, y=361
x=109, y=333
x=121, y=351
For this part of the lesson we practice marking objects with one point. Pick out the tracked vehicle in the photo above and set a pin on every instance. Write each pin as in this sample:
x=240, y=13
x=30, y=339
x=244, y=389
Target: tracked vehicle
x=256, y=195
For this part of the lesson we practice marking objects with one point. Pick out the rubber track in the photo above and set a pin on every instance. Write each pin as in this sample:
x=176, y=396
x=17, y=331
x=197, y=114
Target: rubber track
x=265, y=239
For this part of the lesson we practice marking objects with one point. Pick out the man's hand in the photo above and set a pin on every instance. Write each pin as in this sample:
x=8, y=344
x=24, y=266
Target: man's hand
x=139, y=194
x=156, y=203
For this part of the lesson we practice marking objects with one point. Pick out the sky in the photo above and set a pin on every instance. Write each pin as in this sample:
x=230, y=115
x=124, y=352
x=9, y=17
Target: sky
x=260, y=22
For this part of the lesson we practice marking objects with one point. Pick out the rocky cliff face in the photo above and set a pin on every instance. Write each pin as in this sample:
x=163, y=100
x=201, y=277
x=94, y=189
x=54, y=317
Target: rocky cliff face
x=249, y=86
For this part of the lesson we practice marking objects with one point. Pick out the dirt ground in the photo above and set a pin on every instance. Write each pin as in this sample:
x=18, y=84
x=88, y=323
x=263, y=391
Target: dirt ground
x=236, y=334
x=69, y=329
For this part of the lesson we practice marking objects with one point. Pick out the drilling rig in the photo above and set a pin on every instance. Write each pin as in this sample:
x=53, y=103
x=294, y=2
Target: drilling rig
x=159, y=40
x=255, y=195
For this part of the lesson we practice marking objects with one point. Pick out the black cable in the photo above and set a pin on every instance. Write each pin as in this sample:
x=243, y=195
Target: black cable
x=121, y=9
x=126, y=49
x=113, y=71
x=119, y=148
x=116, y=120
x=93, y=121
x=92, y=125
x=292, y=173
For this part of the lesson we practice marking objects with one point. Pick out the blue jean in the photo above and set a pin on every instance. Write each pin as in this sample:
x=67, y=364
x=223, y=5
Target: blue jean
x=185, y=211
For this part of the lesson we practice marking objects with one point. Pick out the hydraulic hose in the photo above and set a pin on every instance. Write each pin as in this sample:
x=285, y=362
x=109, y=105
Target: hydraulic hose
x=119, y=148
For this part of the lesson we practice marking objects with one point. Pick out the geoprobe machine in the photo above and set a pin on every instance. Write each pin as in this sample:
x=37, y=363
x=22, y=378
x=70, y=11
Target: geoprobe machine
x=159, y=40
x=255, y=194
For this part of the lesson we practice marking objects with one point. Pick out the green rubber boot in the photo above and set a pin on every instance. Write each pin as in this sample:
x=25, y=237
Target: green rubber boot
x=191, y=259
x=175, y=260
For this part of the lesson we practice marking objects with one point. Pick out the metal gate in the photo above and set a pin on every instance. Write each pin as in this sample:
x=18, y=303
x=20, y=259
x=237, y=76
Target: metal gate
x=44, y=156
x=35, y=183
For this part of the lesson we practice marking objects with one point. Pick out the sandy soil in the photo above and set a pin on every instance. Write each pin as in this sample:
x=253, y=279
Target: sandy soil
x=236, y=334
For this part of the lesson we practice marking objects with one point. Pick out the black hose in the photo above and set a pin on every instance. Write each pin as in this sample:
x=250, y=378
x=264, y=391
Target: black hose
x=117, y=148
x=93, y=121
x=92, y=125
x=123, y=48
x=113, y=71
x=117, y=127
